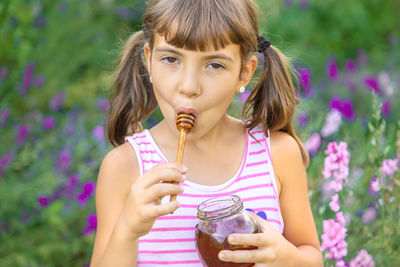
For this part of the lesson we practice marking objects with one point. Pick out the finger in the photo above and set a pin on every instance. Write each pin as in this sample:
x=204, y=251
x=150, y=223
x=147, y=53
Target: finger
x=242, y=256
x=164, y=209
x=264, y=225
x=256, y=240
x=158, y=191
x=155, y=176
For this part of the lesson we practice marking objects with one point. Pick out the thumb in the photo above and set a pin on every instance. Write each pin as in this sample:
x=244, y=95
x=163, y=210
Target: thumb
x=264, y=224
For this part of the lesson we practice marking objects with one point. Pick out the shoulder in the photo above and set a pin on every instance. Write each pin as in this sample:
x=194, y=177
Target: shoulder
x=286, y=156
x=119, y=167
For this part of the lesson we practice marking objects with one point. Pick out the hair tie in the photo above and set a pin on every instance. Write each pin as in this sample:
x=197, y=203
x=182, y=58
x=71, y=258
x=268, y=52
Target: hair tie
x=146, y=33
x=263, y=43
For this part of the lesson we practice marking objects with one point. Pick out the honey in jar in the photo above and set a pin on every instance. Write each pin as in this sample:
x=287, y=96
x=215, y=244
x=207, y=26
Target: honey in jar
x=218, y=218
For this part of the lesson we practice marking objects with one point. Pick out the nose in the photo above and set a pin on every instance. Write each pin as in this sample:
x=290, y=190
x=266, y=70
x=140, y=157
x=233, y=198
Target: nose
x=190, y=86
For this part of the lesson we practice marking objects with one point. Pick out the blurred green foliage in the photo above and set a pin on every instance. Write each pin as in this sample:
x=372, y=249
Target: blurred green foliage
x=48, y=48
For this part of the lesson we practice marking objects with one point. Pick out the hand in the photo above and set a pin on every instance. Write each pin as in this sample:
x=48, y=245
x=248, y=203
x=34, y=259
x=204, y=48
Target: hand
x=271, y=246
x=143, y=204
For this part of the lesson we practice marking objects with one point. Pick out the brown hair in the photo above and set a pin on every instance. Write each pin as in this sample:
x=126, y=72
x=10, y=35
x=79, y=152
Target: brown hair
x=206, y=24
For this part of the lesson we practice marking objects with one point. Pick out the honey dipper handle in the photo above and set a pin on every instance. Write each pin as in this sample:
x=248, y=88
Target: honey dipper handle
x=179, y=155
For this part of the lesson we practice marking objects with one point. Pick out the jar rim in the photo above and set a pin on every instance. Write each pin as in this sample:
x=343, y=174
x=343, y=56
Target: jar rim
x=219, y=207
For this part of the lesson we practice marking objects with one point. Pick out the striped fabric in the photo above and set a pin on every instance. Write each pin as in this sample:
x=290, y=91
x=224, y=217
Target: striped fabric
x=172, y=240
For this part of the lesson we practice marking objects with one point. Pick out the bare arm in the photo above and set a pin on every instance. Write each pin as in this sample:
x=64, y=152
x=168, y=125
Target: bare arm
x=299, y=222
x=128, y=205
x=118, y=171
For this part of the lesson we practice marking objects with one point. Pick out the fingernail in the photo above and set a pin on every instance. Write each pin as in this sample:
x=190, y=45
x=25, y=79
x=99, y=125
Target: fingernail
x=184, y=168
x=184, y=177
x=182, y=189
x=222, y=255
x=232, y=239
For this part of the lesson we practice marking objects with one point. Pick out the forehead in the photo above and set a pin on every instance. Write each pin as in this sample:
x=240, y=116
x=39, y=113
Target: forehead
x=231, y=49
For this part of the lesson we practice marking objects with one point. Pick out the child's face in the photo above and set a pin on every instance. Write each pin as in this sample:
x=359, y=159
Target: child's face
x=204, y=81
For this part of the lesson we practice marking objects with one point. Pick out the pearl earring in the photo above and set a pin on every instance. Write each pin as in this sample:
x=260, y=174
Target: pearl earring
x=151, y=79
x=242, y=89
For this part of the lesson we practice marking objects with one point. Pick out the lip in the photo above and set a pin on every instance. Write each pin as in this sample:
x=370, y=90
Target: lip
x=188, y=111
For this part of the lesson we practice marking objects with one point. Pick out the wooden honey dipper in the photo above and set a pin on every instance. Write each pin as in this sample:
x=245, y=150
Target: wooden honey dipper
x=184, y=123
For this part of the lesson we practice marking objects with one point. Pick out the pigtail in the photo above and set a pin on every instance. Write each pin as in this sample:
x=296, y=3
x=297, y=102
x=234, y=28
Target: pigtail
x=133, y=98
x=272, y=103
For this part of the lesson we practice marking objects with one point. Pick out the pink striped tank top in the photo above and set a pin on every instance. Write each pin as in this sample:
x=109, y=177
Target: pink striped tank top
x=172, y=240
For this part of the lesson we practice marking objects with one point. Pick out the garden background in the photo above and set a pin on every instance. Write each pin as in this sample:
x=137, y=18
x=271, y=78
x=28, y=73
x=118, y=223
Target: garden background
x=56, y=64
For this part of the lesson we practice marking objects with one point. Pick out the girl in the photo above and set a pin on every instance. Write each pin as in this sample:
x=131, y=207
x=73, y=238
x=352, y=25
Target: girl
x=197, y=55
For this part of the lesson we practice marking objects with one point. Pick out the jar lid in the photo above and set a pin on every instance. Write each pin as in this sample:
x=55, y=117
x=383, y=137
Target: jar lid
x=219, y=207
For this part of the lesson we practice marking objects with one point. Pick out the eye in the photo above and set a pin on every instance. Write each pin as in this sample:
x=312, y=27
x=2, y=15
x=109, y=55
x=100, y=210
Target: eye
x=170, y=60
x=216, y=66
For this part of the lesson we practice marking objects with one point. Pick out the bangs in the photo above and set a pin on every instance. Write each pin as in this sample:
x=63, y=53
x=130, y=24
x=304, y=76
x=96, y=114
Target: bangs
x=203, y=24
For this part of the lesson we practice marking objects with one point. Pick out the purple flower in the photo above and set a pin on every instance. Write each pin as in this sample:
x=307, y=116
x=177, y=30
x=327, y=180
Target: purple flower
x=63, y=6
x=91, y=225
x=303, y=4
x=335, y=103
x=302, y=119
x=363, y=259
x=40, y=22
x=313, y=144
x=4, y=114
x=48, y=123
x=70, y=129
x=103, y=104
x=332, y=70
x=39, y=81
x=27, y=78
x=243, y=97
x=369, y=215
x=43, y=200
x=22, y=133
x=87, y=192
x=57, y=101
x=362, y=58
x=332, y=123
x=350, y=66
x=64, y=160
x=389, y=167
x=71, y=184
x=348, y=110
x=288, y=3
x=386, y=110
x=4, y=162
x=305, y=81
x=124, y=12
x=98, y=133
x=372, y=84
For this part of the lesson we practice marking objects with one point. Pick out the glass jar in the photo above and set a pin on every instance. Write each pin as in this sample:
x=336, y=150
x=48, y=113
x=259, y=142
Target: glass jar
x=219, y=217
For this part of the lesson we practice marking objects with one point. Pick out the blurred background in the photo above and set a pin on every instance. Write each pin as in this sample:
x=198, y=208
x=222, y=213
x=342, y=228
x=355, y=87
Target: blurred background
x=56, y=66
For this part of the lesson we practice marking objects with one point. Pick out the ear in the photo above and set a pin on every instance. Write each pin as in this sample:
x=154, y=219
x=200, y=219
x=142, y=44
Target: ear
x=147, y=56
x=249, y=67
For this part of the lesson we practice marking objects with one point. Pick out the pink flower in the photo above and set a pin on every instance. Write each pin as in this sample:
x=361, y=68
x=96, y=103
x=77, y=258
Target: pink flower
x=4, y=114
x=332, y=123
x=386, y=110
x=336, y=164
x=389, y=167
x=313, y=143
x=369, y=215
x=57, y=101
x=335, y=203
x=363, y=259
x=5, y=160
x=333, y=239
x=374, y=186
x=103, y=104
x=350, y=66
x=48, y=123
